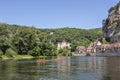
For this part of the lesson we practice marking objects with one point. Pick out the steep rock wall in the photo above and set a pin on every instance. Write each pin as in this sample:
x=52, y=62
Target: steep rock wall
x=111, y=25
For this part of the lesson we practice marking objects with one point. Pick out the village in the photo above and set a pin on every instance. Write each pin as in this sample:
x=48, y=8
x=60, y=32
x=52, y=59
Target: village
x=111, y=34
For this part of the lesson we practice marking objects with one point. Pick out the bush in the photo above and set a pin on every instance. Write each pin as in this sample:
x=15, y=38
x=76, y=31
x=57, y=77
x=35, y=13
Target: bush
x=1, y=53
x=65, y=52
x=104, y=41
x=112, y=26
x=11, y=53
x=35, y=51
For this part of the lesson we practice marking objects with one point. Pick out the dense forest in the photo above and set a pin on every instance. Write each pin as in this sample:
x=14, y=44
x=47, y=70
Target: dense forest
x=23, y=40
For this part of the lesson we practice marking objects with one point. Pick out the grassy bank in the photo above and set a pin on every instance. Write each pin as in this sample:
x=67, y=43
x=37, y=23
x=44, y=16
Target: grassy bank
x=4, y=57
x=17, y=57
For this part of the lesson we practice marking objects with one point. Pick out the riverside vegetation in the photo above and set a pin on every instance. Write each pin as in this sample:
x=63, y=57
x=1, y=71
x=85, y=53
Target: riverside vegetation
x=27, y=42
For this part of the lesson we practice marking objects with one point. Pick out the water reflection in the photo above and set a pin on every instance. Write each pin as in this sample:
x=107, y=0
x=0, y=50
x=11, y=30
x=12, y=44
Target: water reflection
x=112, y=69
x=64, y=68
x=67, y=68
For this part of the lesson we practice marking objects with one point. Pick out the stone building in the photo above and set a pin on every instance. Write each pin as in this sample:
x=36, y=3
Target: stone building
x=92, y=47
x=63, y=44
x=51, y=33
x=80, y=50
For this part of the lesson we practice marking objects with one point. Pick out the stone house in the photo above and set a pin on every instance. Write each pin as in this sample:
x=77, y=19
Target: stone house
x=63, y=44
x=89, y=49
x=80, y=50
x=92, y=47
x=51, y=33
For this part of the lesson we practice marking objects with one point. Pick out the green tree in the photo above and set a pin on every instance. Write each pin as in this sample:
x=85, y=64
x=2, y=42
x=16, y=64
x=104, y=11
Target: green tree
x=11, y=53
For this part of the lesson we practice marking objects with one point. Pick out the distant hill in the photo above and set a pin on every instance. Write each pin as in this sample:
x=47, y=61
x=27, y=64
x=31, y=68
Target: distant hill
x=75, y=36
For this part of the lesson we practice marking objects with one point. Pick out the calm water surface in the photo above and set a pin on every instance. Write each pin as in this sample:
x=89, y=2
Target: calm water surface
x=68, y=68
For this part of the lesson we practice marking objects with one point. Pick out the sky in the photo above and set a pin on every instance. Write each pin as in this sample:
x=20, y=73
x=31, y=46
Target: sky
x=85, y=14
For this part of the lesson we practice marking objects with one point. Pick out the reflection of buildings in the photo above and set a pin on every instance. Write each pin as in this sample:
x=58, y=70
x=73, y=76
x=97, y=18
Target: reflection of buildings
x=91, y=63
x=112, y=69
x=89, y=67
x=64, y=66
x=99, y=68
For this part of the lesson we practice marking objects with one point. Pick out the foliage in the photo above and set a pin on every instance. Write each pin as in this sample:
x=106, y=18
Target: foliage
x=74, y=36
x=112, y=26
x=64, y=52
x=10, y=53
x=22, y=40
x=1, y=53
x=104, y=41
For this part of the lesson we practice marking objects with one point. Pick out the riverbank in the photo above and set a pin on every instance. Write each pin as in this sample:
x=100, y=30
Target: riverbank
x=16, y=57
x=22, y=57
x=3, y=57
x=85, y=54
x=108, y=54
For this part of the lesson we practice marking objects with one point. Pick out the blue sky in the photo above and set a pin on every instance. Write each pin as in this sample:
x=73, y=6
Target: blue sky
x=85, y=14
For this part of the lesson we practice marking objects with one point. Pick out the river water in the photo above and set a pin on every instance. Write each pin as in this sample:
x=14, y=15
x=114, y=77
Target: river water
x=67, y=68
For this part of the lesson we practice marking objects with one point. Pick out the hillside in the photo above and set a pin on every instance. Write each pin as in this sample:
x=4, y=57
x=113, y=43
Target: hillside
x=74, y=35
x=24, y=40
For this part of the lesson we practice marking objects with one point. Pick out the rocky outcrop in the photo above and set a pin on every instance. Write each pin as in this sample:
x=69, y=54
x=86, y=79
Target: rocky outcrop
x=111, y=31
x=111, y=25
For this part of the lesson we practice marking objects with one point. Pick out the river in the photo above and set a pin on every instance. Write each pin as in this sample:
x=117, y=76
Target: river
x=67, y=68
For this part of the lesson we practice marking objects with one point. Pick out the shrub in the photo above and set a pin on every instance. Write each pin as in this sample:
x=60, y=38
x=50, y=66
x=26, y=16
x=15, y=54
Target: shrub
x=65, y=52
x=11, y=53
x=1, y=53
x=104, y=41
x=112, y=26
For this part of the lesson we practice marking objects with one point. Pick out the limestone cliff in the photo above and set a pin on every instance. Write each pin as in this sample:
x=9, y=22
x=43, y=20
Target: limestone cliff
x=111, y=25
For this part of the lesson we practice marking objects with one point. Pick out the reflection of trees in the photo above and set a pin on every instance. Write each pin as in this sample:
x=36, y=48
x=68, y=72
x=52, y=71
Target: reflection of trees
x=29, y=69
x=112, y=69
x=103, y=68
x=64, y=66
x=7, y=70
x=20, y=70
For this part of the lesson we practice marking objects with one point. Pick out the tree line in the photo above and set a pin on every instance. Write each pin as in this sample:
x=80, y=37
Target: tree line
x=23, y=40
x=75, y=36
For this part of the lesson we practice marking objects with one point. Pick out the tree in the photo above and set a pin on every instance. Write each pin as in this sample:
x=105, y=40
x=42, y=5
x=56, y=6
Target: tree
x=11, y=53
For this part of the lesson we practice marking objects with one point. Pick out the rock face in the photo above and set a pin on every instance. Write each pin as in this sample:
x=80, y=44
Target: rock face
x=111, y=25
